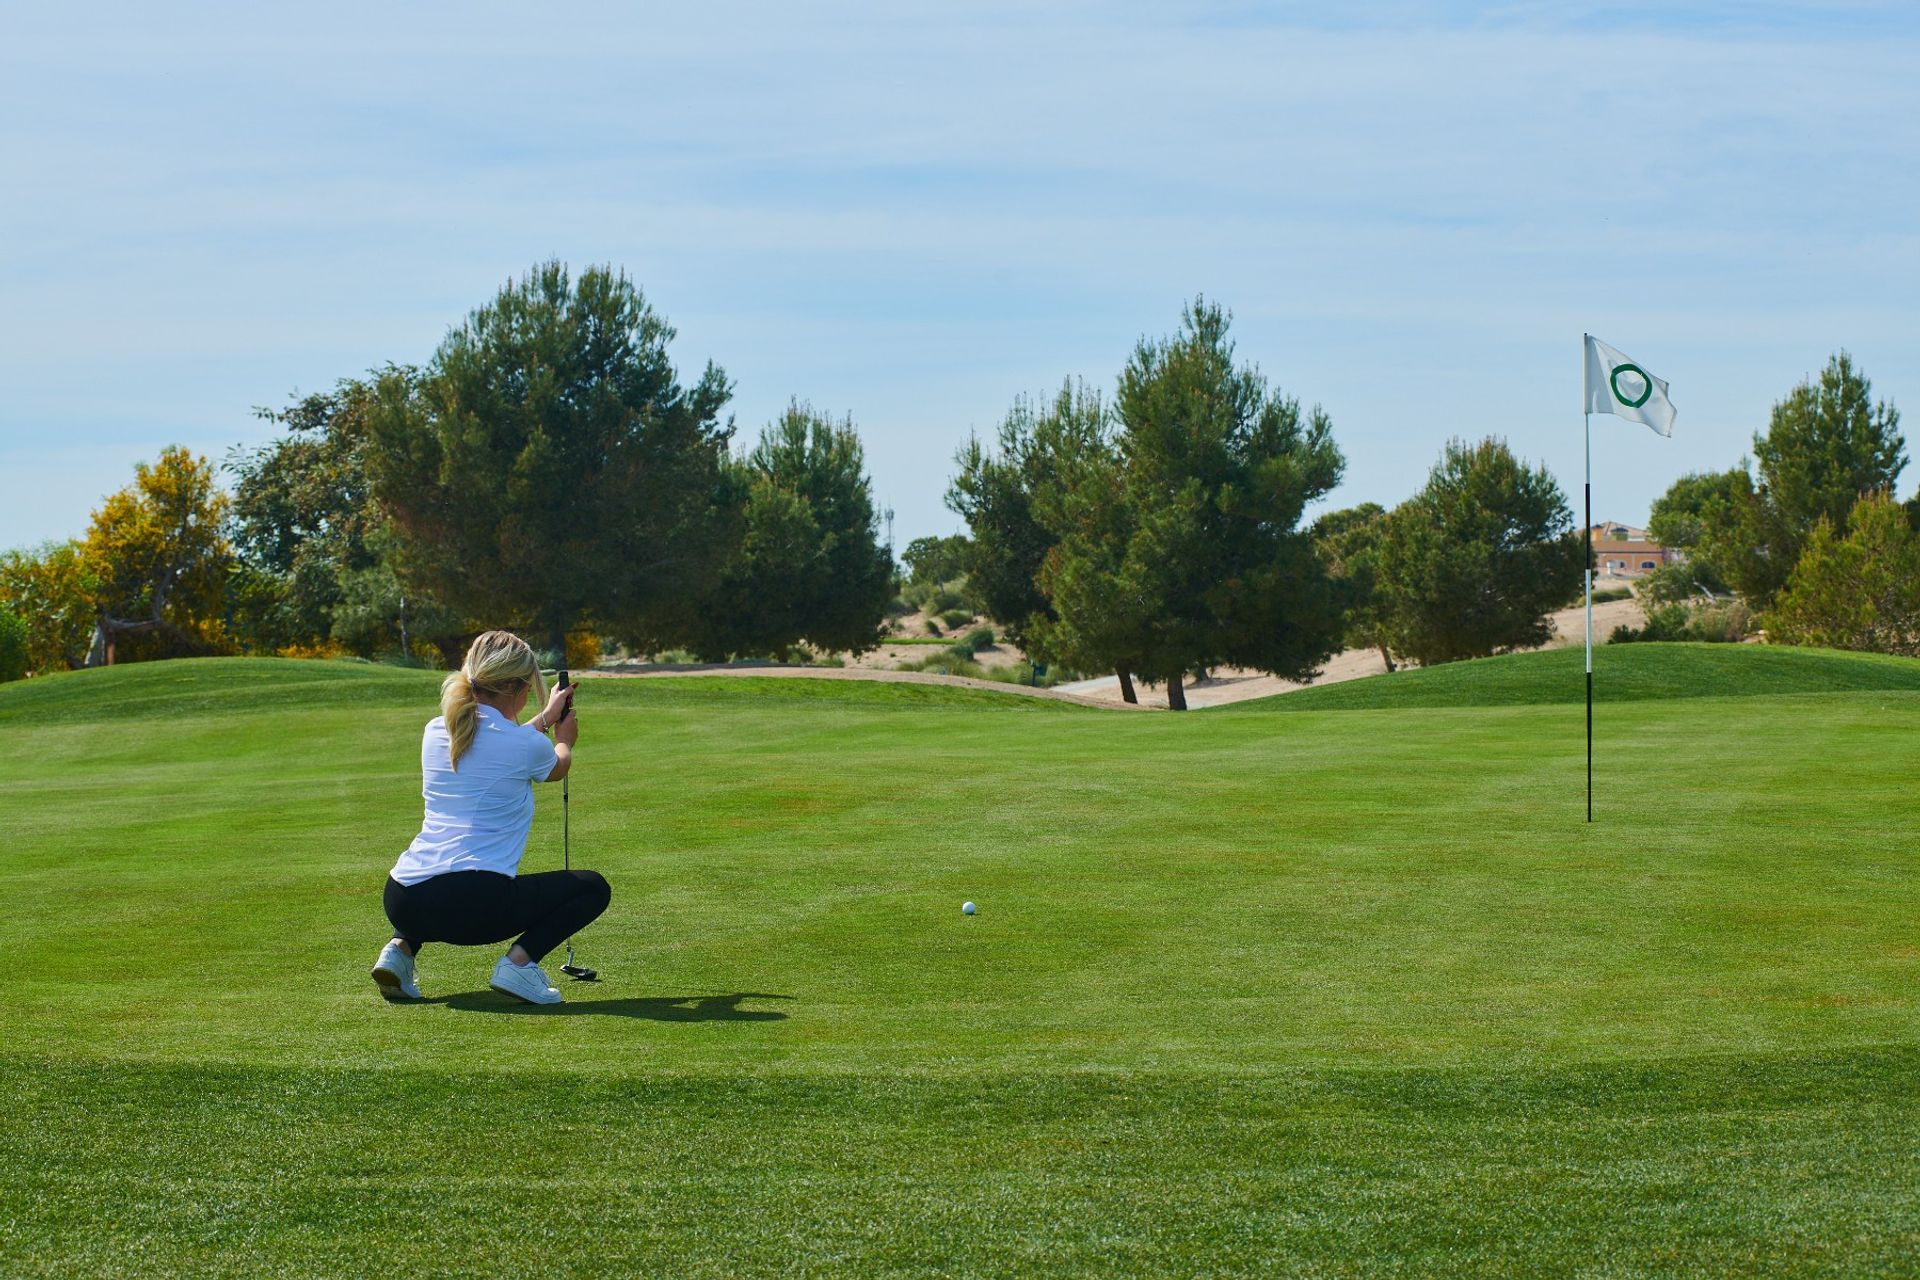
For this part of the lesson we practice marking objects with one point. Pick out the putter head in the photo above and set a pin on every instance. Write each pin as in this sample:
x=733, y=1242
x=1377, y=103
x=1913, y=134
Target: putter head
x=580, y=973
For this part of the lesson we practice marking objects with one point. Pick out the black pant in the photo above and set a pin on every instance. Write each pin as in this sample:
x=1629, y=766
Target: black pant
x=472, y=908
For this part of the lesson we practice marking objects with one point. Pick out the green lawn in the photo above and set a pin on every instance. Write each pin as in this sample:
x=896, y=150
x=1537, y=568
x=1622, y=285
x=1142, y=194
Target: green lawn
x=1334, y=992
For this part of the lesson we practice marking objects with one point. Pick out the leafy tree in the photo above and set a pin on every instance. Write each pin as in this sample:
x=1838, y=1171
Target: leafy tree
x=936, y=559
x=1097, y=619
x=1473, y=563
x=993, y=493
x=1860, y=591
x=810, y=567
x=1349, y=543
x=13, y=646
x=1217, y=471
x=53, y=589
x=162, y=563
x=302, y=510
x=1826, y=445
x=1692, y=506
x=1678, y=517
x=317, y=552
x=548, y=467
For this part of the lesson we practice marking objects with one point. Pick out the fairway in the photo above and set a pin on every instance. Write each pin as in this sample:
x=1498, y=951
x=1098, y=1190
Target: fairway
x=1350, y=990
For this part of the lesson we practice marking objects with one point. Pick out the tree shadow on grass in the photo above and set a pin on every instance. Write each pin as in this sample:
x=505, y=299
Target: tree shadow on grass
x=652, y=1008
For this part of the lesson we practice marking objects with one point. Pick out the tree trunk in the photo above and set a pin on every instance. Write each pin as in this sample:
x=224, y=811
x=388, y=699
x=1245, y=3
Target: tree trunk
x=557, y=639
x=1126, y=687
x=1176, y=693
x=1387, y=658
x=452, y=649
x=406, y=644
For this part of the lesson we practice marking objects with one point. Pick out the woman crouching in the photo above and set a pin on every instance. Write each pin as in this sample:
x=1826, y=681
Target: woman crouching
x=459, y=881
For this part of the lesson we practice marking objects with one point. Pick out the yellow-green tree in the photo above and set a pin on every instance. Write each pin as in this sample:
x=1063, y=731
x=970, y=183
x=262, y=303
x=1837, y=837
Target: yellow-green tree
x=52, y=589
x=161, y=562
x=1861, y=591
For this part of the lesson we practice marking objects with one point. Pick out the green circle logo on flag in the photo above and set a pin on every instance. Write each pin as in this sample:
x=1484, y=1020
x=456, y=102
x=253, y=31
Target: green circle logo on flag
x=1646, y=385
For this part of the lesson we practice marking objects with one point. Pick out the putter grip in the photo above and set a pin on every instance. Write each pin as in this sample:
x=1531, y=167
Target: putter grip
x=564, y=682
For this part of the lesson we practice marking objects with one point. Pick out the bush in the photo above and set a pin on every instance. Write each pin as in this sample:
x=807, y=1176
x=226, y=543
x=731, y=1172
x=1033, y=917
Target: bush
x=1728, y=623
x=933, y=627
x=975, y=640
x=1861, y=591
x=946, y=600
x=1022, y=673
x=1609, y=595
x=13, y=646
x=956, y=617
x=1680, y=582
x=947, y=663
x=321, y=650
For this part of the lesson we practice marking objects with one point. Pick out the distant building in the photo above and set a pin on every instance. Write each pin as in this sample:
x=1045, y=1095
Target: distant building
x=1622, y=551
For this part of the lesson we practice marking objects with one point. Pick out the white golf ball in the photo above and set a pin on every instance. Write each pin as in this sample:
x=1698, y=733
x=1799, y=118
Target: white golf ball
x=967, y=908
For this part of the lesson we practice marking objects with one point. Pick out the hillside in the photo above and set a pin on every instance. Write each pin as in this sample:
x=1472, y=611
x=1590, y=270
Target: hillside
x=1622, y=673
x=250, y=686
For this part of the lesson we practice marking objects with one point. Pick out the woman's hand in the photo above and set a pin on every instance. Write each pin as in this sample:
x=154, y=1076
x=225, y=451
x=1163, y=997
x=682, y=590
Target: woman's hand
x=557, y=703
x=567, y=732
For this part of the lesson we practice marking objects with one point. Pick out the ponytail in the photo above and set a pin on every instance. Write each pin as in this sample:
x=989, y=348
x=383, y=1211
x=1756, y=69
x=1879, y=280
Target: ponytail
x=496, y=662
x=461, y=711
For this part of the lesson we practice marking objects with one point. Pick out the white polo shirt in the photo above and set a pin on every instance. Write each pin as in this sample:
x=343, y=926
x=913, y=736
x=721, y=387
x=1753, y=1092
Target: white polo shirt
x=478, y=815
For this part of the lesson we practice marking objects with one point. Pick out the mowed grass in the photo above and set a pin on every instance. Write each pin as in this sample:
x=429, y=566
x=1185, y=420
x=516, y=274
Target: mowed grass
x=1336, y=992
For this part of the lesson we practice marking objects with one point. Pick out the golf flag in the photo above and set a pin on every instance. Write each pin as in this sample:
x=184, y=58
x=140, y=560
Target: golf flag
x=1618, y=386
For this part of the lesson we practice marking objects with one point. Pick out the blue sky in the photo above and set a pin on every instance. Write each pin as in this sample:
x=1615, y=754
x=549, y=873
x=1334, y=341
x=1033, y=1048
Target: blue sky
x=912, y=214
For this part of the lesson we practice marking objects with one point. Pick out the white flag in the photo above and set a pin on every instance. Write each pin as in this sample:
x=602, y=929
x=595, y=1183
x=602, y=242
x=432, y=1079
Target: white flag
x=1618, y=386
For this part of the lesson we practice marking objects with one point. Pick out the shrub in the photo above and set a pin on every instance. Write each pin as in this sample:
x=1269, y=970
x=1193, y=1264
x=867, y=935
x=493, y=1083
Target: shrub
x=946, y=663
x=1861, y=591
x=945, y=600
x=981, y=638
x=1609, y=595
x=1022, y=673
x=956, y=617
x=933, y=627
x=583, y=651
x=1728, y=623
x=321, y=649
x=1679, y=582
x=13, y=646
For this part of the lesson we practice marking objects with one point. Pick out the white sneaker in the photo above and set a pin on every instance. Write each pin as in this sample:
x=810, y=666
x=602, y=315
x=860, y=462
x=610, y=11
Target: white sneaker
x=524, y=982
x=394, y=972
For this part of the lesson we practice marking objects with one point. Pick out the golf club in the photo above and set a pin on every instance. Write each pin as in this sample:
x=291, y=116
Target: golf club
x=578, y=972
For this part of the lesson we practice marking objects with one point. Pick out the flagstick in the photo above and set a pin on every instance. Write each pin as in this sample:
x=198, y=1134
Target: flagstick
x=1589, y=527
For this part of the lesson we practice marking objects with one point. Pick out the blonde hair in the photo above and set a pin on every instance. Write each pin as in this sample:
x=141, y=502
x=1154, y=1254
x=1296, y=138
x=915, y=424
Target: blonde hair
x=497, y=662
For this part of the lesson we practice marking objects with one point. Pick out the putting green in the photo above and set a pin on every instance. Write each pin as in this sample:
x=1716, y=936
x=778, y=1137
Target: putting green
x=1337, y=991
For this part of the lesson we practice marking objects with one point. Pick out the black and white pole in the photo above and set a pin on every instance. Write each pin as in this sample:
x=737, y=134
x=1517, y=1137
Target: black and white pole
x=1589, y=547
x=578, y=972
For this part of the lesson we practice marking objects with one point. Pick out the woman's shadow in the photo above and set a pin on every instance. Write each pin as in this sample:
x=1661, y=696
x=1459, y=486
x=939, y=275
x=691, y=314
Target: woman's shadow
x=653, y=1008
